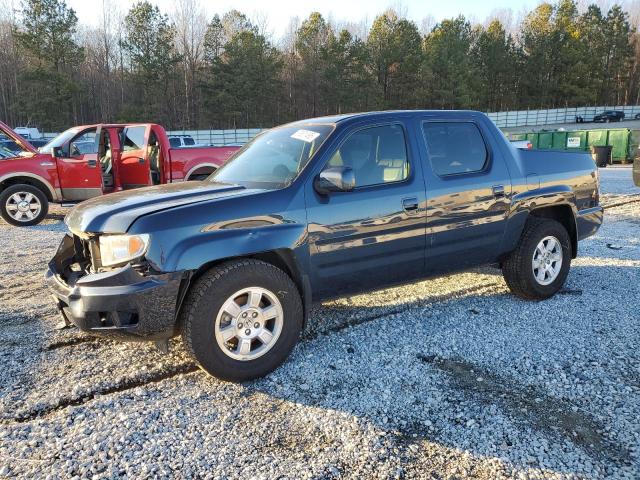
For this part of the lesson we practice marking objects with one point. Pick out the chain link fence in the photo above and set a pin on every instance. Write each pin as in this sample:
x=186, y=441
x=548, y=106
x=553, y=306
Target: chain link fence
x=525, y=118
x=521, y=118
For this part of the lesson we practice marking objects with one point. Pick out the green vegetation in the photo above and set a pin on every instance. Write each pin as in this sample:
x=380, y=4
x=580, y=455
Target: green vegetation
x=186, y=71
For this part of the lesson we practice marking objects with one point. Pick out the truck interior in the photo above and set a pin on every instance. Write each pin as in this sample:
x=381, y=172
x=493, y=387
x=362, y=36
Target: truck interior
x=105, y=157
x=153, y=154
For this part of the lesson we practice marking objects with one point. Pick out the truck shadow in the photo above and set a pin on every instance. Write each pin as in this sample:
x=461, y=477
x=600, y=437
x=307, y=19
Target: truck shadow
x=413, y=370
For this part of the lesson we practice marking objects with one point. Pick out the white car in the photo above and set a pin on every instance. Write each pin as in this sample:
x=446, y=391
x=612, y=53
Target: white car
x=30, y=133
x=523, y=144
x=179, y=141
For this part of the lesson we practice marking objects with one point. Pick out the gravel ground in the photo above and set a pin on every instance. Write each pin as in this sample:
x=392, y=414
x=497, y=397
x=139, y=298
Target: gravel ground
x=449, y=378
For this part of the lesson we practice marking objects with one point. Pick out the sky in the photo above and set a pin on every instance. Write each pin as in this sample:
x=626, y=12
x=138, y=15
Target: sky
x=279, y=12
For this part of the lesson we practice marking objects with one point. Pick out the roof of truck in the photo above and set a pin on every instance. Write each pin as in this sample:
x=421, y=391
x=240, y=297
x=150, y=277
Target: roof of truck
x=383, y=114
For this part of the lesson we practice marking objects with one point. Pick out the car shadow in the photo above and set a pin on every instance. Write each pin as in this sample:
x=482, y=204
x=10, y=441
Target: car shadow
x=424, y=372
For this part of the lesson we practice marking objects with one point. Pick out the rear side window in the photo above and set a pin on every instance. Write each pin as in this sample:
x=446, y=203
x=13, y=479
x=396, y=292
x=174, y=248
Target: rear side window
x=189, y=141
x=133, y=138
x=455, y=147
x=377, y=155
x=174, y=142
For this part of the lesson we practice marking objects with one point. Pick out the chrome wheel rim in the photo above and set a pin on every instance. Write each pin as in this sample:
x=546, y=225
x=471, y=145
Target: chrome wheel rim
x=249, y=323
x=547, y=260
x=23, y=206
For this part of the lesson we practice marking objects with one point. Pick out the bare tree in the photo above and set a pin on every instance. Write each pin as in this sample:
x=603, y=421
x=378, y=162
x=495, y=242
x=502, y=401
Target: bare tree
x=191, y=25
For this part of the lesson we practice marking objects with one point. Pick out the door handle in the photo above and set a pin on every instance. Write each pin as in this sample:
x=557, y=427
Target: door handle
x=498, y=191
x=410, y=205
x=140, y=160
x=92, y=162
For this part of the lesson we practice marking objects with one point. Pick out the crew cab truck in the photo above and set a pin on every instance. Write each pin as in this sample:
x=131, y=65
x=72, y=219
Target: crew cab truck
x=88, y=161
x=318, y=209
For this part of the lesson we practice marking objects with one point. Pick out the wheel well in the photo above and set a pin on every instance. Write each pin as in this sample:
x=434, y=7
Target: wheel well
x=564, y=215
x=281, y=258
x=202, y=172
x=27, y=181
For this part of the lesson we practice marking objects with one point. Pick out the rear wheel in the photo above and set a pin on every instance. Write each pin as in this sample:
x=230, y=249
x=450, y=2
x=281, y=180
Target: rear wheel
x=241, y=319
x=539, y=266
x=23, y=205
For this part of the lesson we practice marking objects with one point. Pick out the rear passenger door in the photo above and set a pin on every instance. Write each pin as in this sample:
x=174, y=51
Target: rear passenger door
x=468, y=191
x=373, y=235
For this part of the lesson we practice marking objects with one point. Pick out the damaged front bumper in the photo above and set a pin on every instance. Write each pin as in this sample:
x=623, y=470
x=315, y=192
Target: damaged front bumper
x=121, y=303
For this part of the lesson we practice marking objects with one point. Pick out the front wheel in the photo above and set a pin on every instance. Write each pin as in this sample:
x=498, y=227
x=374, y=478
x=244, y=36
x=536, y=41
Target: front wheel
x=241, y=319
x=539, y=266
x=23, y=205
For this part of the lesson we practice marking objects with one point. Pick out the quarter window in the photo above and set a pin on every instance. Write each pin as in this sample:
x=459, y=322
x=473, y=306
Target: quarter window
x=455, y=147
x=377, y=155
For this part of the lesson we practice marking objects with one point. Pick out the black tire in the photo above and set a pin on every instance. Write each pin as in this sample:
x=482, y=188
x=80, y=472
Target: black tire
x=518, y=270
x=208, y=295
x=8, y=192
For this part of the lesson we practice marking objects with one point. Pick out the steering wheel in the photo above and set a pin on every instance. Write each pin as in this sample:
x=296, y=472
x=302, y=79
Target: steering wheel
x=281, y=171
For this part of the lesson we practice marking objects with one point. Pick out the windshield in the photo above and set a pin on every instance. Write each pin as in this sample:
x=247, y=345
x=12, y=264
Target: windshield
x=59, y=140
x=274, y=158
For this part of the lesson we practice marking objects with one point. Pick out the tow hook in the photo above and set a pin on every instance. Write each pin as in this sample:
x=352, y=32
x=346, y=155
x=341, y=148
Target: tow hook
x=162, y=346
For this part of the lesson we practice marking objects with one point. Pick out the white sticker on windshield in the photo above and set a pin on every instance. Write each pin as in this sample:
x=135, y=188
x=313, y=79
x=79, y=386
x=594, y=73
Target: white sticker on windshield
x=305, y=135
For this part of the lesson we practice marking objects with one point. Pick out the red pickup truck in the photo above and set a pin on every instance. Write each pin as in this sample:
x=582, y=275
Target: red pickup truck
x=91, y=160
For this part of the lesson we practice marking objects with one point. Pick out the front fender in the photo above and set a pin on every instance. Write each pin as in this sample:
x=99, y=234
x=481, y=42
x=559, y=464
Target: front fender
x=192, y=252
x=522, y=204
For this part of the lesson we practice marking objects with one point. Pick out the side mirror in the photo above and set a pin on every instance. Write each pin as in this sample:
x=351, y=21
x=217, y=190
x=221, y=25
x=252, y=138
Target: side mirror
x=58, y=152
x=335, y=179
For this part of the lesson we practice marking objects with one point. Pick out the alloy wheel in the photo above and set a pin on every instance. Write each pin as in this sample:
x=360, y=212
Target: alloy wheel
x=249, y=323
x=547, y=260
x=23, y=206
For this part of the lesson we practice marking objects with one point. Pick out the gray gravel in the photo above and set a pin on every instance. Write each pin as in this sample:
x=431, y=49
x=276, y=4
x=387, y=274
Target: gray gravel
x=449, y=378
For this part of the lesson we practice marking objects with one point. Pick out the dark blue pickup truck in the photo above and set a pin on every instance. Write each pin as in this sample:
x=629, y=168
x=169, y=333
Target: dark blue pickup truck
x=318, y=209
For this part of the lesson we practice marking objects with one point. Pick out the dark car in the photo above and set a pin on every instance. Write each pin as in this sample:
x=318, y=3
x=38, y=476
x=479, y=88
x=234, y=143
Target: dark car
x=318, y=209
x=609, y=116
x=41, y=142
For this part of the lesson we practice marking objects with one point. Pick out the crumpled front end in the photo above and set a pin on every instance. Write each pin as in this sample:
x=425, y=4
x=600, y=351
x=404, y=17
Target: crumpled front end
x=129, y=302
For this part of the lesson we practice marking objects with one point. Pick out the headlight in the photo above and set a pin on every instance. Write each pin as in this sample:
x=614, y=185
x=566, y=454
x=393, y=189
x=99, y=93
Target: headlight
x=116, y=249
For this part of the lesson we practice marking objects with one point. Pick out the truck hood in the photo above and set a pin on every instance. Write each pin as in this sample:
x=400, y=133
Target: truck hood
x=17, y=138
x=115, y=212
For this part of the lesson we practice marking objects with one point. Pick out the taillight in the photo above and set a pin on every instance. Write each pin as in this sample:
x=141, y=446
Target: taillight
x=529, y=145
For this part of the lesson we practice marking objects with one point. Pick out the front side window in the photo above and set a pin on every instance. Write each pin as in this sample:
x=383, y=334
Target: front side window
x=377, y=155
x=188, y=141
x=275, y=158
x=174, y=142
x=133, y=138
x=455, y=147
x=83, y=144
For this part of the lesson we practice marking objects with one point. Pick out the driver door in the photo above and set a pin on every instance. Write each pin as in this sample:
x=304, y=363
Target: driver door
x=134, y=170
x=80, y=174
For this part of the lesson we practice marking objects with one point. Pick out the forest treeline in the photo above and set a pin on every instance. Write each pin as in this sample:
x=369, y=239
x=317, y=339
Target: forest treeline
x=187, y=71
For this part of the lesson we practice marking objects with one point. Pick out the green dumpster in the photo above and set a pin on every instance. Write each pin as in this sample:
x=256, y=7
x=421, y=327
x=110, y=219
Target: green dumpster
x=559, y=140
x=533, y=138
x=619, y=140
x=545, y=140
x=622, y=140
x=576, y=140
